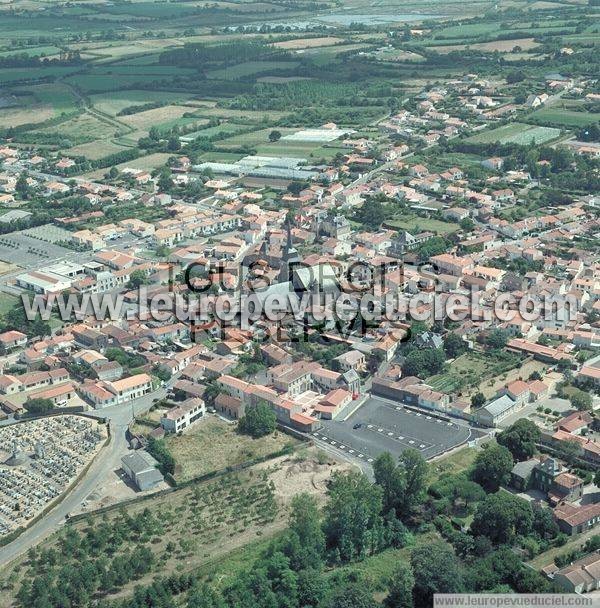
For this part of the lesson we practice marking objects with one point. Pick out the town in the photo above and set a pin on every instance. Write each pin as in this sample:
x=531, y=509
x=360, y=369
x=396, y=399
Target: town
x=143, y=422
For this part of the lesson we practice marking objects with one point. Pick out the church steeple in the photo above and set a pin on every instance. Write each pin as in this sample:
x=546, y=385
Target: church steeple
x=289, y=256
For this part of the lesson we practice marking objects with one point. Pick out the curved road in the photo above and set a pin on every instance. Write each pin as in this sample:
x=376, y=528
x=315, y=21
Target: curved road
x=108, y=459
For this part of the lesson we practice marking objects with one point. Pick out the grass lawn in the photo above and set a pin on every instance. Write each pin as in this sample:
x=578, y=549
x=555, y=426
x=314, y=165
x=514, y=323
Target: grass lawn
x=415, y=223
x=456, y=462
x=7, y=301
x=516, y=133
x=379, y=569
x=214, y=444
x=565, y=117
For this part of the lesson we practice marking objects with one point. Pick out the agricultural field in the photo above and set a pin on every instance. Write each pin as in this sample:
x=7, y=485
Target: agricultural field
x=249, y=68
x=517, y=133
x=261, y=136
x=502, y=46
x=307, y=43
x=82, y=129
x=112, y=103
x=94, y=150
x=36, y=104
x=155, y=117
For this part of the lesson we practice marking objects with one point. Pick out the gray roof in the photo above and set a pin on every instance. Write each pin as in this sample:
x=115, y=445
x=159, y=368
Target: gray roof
x=524, y=469
x=499, y=406
x=139, y=462
x=149, y=478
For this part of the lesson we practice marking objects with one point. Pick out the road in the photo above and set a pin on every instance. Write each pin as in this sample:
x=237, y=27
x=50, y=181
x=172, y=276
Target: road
x=109, y=459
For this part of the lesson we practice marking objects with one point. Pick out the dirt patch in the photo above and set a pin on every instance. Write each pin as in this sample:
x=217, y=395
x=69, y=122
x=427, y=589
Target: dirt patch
x=149, y=118
x=306, y=472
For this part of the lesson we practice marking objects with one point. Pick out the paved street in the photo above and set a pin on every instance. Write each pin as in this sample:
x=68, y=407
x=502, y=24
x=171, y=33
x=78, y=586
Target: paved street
x=109, y=459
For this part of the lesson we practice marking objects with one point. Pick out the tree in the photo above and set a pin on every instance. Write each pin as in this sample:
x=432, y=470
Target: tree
x=581, y=400
x=305, y=541
x=438, y=571
x=371, y=214
x=423, y=363
x=312, y=587
x=136, y=279
x=274, y=136
x=515, y=76
x=204, y=596
x=543, y=523
x=501, y=517
x=392, y=479
x=352, y=516
x=568, y=451
x=164, y=182
x=493, y=466
x=295, y=187
x=161, y=373
x=520, y=438
x=597, y=479
x=401, y=588
x=173, y=144
x=467, y=224
x=38, y=406
x=159, y=450
x=415, y=473
x=259, y=421
x=22, y=187
x=497, y=338
x=354, y=596
x=478, y=400
x=454, y=345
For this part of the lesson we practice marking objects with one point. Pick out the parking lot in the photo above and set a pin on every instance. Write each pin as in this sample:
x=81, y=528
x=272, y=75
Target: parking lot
x=26, y=251
x=381, y=426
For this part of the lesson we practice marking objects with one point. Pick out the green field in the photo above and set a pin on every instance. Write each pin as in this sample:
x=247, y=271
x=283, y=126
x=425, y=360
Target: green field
x=516, y=133
x=565, y=117
x=250, y=68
